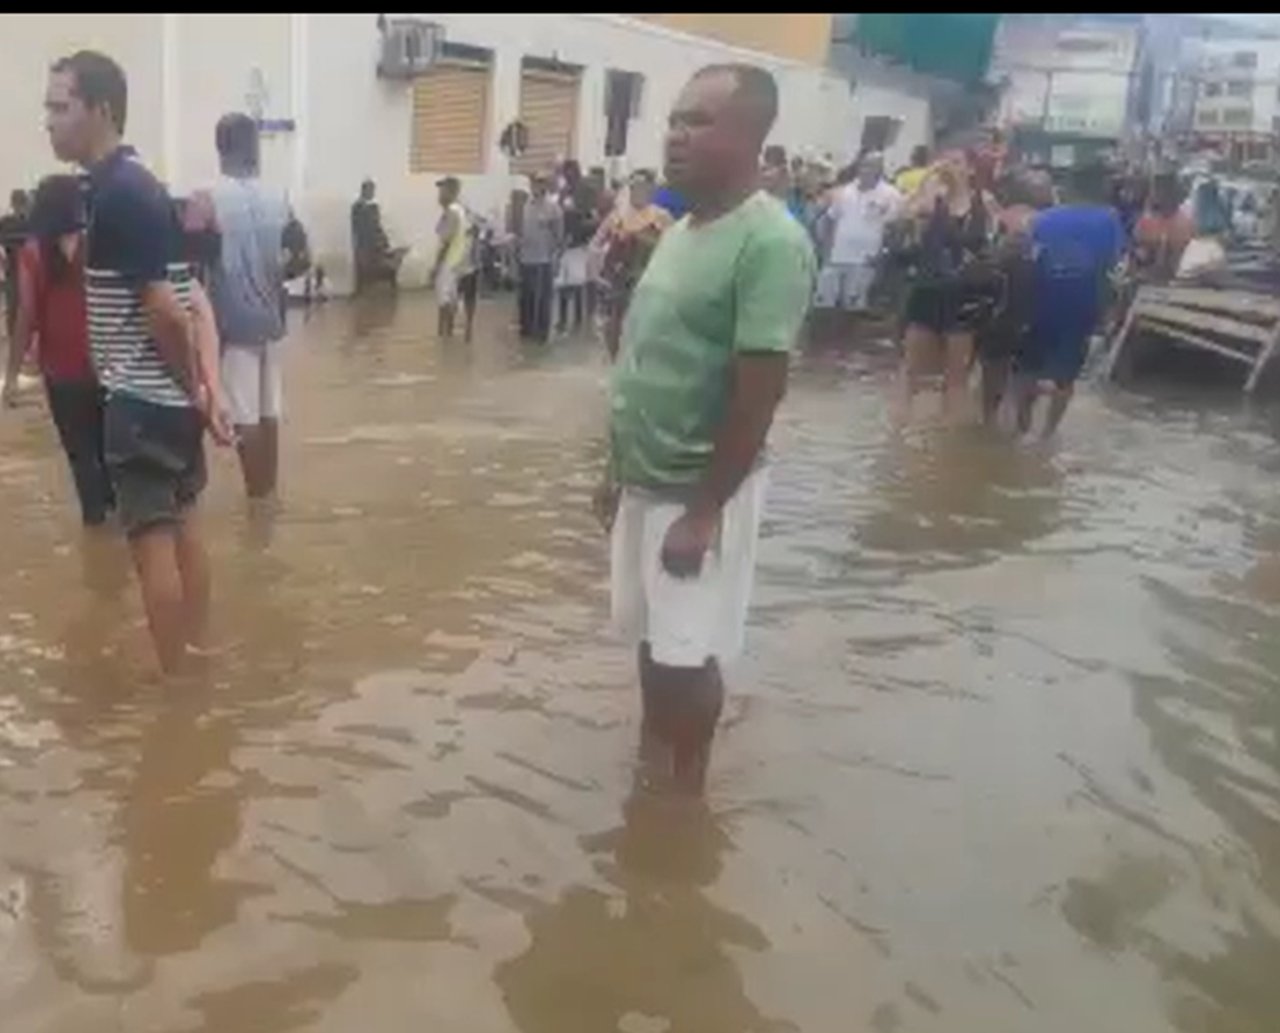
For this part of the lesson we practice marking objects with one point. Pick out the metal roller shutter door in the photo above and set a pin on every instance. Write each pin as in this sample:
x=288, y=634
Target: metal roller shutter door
x=549, y=110
x=450, y=112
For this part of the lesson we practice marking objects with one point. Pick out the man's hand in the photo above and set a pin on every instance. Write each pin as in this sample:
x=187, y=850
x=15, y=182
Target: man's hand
x=215, y=417
x=604, y=503
x=687, y=542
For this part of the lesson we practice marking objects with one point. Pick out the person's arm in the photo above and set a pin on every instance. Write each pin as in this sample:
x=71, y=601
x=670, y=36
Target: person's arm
x=169, y=324
x=774, y=285
x=604, y=231
x=358, y=243
x=204, y=329
x=23, y=329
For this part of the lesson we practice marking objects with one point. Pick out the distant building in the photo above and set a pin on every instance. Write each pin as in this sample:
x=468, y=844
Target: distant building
x=1070, y=86
x=1237, y=99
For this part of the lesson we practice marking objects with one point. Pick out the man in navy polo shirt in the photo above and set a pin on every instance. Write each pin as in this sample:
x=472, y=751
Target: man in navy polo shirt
x=161, y=392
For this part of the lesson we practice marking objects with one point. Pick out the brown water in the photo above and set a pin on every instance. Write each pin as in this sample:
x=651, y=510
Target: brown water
x=1002, y=756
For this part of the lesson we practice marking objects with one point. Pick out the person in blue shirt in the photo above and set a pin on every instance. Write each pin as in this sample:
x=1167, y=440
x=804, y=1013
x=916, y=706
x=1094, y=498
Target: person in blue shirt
x=666, y=198
x=1074, y=248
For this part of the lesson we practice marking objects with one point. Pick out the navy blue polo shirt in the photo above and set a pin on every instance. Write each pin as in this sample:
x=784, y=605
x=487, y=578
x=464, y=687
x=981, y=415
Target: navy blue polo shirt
x=134, y=240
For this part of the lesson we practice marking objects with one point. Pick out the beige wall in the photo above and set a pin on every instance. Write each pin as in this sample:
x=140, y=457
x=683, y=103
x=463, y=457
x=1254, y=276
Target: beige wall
x=799, y=37
x=30, y=43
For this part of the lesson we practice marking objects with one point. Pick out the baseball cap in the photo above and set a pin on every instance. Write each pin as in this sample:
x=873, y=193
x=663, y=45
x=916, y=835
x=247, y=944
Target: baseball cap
x=449, y=181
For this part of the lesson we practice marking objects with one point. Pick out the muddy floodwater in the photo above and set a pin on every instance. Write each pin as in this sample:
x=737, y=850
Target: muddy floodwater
x=1002, y=755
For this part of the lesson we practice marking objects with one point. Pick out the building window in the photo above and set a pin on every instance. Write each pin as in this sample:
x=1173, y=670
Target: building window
x=1084, y=44
x=1259, y=151
x=1212, y=89
x=1239, y=88
x=879, y=132
x=1207, y=118
x=621, y=104
x=1237, y=117
x=549, y=110
x=451, y=112
x=1245, y=59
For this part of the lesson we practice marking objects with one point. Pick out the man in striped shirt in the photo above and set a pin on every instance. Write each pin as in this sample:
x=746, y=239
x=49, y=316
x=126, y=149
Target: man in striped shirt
x=145, y=318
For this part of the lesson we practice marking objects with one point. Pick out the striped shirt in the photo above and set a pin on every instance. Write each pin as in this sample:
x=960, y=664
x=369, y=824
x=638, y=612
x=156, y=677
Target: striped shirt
x=134, y=240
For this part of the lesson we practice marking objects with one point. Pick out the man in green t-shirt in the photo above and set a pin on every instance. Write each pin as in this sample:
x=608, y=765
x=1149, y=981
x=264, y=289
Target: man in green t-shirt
x=702, y=366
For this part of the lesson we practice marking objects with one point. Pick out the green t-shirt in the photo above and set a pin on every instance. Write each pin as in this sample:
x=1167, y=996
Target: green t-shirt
x=739, y=284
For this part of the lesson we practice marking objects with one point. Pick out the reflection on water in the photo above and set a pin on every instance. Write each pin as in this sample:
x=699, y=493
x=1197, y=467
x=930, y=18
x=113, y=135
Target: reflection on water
x=649, y=950
x=1004, y=753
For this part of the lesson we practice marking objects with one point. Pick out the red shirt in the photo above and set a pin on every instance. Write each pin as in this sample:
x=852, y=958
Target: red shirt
x=61, y=325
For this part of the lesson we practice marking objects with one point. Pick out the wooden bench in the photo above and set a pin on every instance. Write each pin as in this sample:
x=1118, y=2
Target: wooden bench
x=1239, y=325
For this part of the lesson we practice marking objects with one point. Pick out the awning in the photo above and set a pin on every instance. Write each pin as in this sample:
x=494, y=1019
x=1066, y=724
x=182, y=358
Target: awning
x=952, y=46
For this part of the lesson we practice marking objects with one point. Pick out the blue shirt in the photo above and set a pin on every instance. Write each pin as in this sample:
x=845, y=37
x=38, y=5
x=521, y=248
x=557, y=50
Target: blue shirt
x=134, y=240
x=246, y=281
x=1075, y=247
x=665, y=197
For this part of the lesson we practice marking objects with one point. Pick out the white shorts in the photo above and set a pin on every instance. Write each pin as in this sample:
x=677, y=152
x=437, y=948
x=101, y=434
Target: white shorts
x=446, y=286
x=252, y=381
x=573, y=267
x=684, y=620
x=844, y=286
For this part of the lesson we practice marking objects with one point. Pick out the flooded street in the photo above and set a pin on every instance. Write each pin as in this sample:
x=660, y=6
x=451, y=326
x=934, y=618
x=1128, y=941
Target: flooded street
x=1003, y=753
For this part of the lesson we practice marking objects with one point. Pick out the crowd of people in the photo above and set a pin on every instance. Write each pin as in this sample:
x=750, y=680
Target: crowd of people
x=572, y=245
x=983, y=262
x=986, y=261
x=155, y=322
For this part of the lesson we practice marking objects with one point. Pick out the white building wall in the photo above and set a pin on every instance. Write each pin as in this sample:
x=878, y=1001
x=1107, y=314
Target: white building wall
x=186, y=70
x=882, y=91
x=879, y=90
x=348, y=103
x=218, y=61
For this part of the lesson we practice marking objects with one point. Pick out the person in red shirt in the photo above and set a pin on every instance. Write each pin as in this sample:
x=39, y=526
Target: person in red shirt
x=52, y=320
x=1163, y=232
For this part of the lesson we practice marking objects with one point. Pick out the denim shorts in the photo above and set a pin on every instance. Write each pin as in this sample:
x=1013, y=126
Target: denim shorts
x=156, y=457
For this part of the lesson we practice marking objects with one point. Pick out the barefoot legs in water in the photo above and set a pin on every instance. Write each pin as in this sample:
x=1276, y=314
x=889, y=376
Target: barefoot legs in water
x=174, y=574
x=681, y=708
x=920, y=346
x=1059, y=395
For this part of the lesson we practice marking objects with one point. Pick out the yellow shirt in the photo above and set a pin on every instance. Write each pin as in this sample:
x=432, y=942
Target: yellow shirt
x=909, y=180
x=458, y=243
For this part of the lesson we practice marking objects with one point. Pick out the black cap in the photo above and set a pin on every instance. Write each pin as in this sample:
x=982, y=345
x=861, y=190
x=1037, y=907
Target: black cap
x=449, y=181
